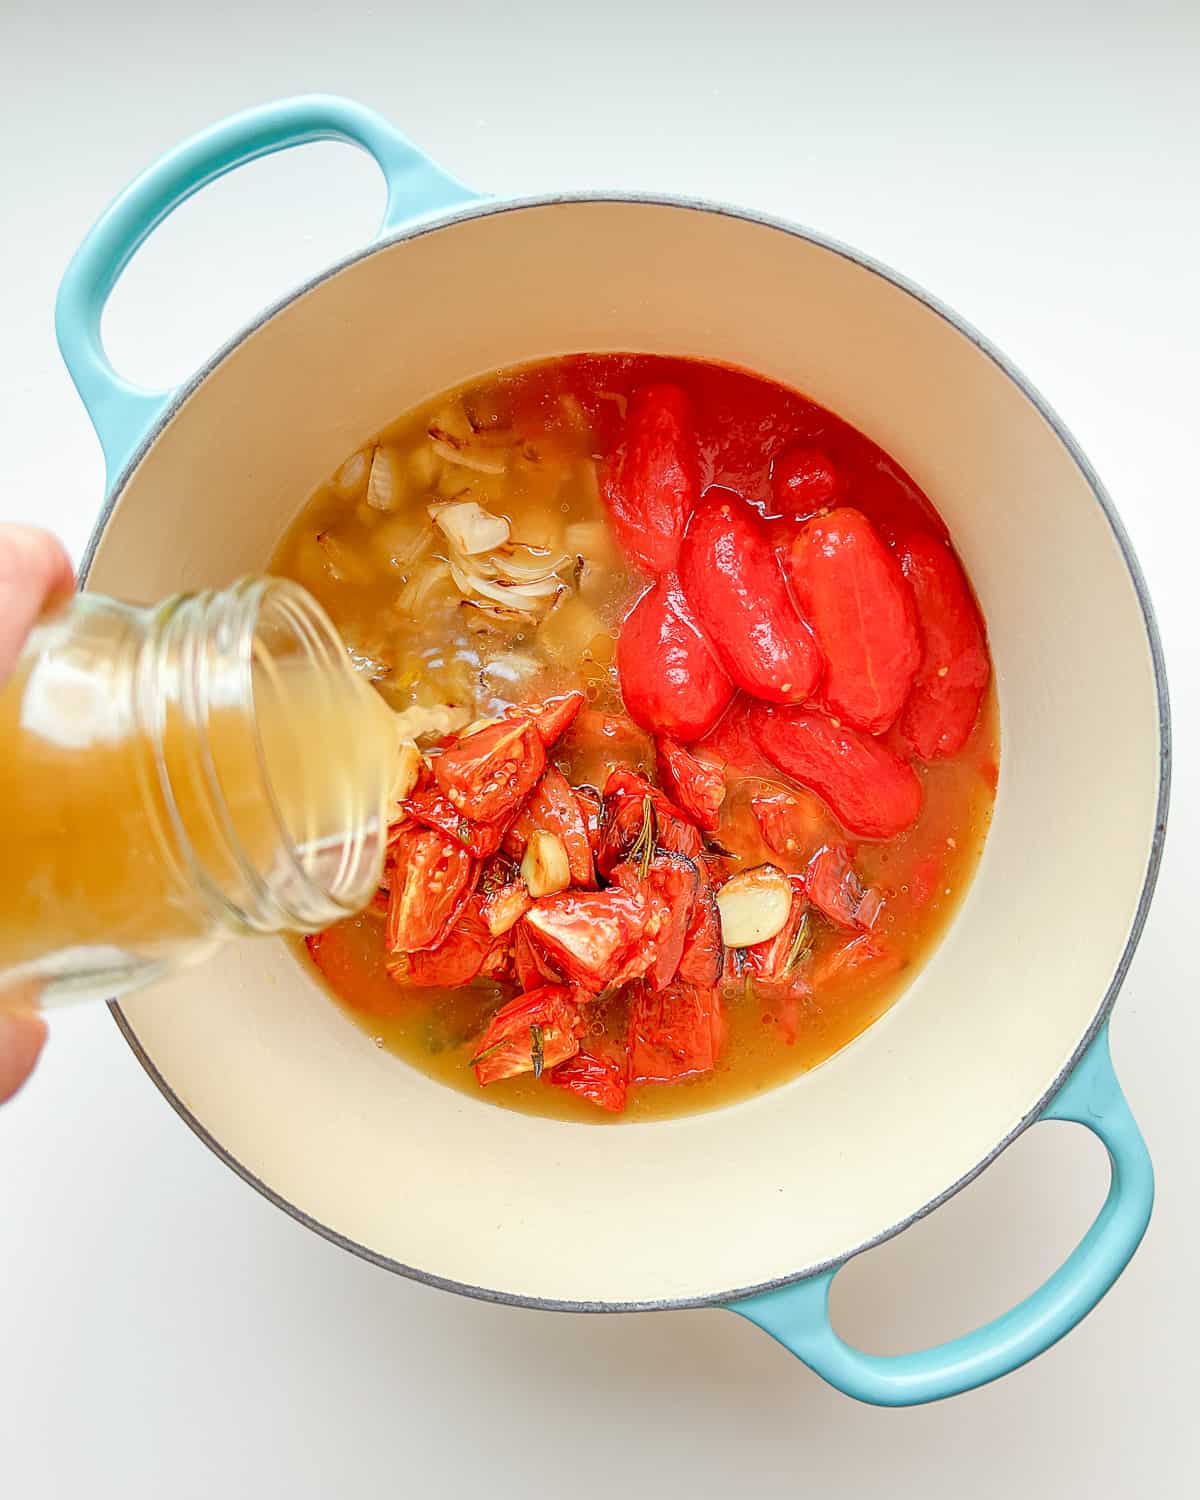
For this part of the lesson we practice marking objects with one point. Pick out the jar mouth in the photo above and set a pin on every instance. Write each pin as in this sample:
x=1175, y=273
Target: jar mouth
x=272, y=771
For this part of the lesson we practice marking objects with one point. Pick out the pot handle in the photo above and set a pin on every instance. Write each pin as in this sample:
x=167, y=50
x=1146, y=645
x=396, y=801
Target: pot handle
x=798, y=1315
x=122, y=413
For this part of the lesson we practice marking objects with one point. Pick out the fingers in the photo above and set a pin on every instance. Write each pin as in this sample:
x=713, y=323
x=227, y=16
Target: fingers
x=22, y=1035
x=34, y=568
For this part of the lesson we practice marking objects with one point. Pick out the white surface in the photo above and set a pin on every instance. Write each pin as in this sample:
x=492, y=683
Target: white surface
x=162, y=1329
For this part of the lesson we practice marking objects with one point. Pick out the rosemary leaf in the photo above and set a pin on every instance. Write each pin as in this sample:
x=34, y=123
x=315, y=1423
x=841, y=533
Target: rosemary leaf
x=537, y=1048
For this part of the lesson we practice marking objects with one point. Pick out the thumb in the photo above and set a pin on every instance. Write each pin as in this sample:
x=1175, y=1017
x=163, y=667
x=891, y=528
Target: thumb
x=22, y=1035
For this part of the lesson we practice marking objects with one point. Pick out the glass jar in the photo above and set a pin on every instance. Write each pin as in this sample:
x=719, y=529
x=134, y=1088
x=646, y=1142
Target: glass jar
x=178, y=775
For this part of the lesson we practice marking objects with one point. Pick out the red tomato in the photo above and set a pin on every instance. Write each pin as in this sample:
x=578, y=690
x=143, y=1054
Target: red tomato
x=429, y=807
x=671, y=680
x=531, y=967
x=862, y=957
x=668, y=889
x=703, y=951
x=460, y=955
x=732, y=743
x=804, y=481
x=625, y=822
x=696, y=785
x=552, y=718
x=776, y=958
x=954, y=670
x=792, y=824
x=588, y=934
x=591, y=805
x=431, y=882
x=836, y=891
x=601, y=1078
x=852, y=592
x=651, y=483
x=488, y=774
x=674, y=1033
x=553, y=808
x=735, y=586
x=531, y=1034
x=504, y=905
x=869, y=790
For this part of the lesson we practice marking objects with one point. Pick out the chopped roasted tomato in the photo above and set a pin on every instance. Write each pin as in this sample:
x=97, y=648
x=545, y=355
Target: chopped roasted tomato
x=651, y=483
x=456, y=960
x=430, y=807
x=431, y=881
x=530, y=965
x=587, y=934
x=671, y=679
x=733, y=744
x=792, y=824
x=853, y=594
x=804, y=482
x=863, y=956
x=489, y=774
x=591, y=805
x=836, y=891
x=783, y=954
x=638, y=820
x=531, y=1034
x=552, y=718
x=954, y=670
x=703, y=951
x=600, y=1077
x=674, y=1033
x=870, y=791
x=696, y=785
x=554, y=808
x=668, y=885
x=504, y=905
x=735, y=586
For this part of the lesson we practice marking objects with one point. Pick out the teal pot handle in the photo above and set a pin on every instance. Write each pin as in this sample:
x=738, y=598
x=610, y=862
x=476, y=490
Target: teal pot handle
x=123, y=414
x=798, y=1315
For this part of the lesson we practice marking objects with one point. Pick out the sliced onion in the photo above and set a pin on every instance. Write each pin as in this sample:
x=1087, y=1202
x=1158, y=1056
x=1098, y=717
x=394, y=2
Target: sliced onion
x=542, y=562
x=520, y=595
x=468, y=527
x=422, y=723
x=483, y=616
x=383, y=487
x=465, y=460
x=351, y=479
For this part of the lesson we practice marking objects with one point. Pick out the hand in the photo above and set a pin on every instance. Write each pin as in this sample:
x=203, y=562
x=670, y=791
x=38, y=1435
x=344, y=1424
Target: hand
x=33, y=569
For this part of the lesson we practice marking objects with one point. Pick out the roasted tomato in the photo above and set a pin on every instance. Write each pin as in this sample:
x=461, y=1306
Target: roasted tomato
x=432, y=809
x=671, y=679
x=488, y=774
x=836, y=891
x=457, y=959
x=599, y=1076
x=668, y=885
x=733, y=744
x=954, y=670
x=853, y=594
x=530, y=965
x=638, y=819
x=591, y=805
x=552, y=718
x=804, y=481
x=531, y=1034
x=862, y=956
x=504, y=904
x=793, y=824
x=674, y=1033
x=598, y=743
x=782, y=955
x=651, y=483
x=735, y=586
x=696, y=785
x=870, y=791
x=432, y=878
x=703, y=951
x=587, y=934
x=554, y=808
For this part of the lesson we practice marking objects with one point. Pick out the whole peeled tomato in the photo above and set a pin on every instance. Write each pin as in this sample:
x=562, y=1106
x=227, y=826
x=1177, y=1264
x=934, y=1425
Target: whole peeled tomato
x=650, y=484
x=671, y=680
x=861, y=610
x=734, y=583
x=869, y=790
x=804, y=481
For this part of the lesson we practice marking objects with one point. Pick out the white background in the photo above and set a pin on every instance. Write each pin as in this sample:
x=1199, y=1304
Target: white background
x=163, y=1331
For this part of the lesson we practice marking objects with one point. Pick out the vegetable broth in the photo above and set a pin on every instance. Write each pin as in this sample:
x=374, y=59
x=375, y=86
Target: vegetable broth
x=529, y=446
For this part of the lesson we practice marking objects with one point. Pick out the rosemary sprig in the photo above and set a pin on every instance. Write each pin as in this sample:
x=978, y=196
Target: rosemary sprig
x=801, y=944
x=644, y=845
x=537, y=1048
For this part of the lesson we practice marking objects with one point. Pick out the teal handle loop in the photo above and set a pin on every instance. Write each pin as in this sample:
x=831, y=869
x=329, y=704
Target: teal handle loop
x=798, y=1315
x=122, y=413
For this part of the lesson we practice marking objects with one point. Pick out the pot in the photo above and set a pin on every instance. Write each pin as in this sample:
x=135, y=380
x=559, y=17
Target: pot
x=756, y=1206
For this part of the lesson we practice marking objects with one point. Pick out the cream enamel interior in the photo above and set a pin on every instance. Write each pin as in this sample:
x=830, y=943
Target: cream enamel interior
x=693, y=1208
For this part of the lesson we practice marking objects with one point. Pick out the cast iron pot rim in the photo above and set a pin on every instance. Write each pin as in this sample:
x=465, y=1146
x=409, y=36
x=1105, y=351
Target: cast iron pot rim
x=961, y=326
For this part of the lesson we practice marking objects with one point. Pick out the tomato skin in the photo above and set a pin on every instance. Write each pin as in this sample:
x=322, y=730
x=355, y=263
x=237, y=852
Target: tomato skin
x=588, y=934
x=553, y=808
x=696, y=785
x=804, y=481
x=650, y=484
x=671, y=679
x=793, y=824
x=865, y=954
x=869, y=790
x=852, y=592
x=735, y=586
x=552, y=718
x=431, y=882
x=601, y=1078
x=703, y=955
x=488, y=774
x=509, y=1047
x=674, y=1033
x=836, y=891
x=955, y=667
